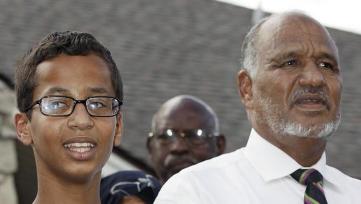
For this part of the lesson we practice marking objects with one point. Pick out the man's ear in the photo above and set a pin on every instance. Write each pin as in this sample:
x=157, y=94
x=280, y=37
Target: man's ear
x=148, y=144
x=221, y=144
x=22, y=126
x=245, y=87
x=150, y=149
x=118, y=129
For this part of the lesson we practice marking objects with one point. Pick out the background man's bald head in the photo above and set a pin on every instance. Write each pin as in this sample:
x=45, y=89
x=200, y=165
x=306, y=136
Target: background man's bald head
x=184, y=106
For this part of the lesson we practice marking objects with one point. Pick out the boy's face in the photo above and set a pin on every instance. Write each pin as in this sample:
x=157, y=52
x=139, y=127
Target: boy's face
x=73, y=147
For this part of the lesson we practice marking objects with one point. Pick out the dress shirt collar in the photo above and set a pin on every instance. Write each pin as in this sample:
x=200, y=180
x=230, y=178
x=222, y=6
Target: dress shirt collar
x=272, y=163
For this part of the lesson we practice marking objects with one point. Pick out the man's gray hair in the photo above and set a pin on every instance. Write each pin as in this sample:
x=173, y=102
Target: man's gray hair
x=249, y=50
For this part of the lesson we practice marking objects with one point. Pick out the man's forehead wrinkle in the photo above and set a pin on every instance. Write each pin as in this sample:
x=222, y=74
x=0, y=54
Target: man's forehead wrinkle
x=277, y=29
x=295, y=21
x=268, y=32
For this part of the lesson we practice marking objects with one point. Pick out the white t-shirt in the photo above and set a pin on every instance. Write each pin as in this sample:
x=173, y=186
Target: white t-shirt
x=257, y=173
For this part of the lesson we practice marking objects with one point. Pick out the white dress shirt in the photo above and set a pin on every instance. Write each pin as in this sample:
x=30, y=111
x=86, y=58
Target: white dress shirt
x=257, y=173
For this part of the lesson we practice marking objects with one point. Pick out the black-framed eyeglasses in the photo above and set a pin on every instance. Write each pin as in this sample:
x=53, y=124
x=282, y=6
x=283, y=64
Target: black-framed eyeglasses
x=192, y=136
x=60, y=106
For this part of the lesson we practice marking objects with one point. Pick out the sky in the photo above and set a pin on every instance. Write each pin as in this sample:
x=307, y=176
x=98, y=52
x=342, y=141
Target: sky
x=339, y=14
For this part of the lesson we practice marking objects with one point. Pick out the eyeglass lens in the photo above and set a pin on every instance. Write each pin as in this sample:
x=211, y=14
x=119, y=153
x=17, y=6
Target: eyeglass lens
x=63, y=106
x=194, y=136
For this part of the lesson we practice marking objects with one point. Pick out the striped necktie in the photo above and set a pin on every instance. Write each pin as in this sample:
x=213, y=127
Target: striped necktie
x=314, y=181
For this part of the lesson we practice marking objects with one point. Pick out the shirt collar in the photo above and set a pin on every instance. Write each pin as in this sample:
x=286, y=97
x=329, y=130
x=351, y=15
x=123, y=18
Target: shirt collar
x=272, y=163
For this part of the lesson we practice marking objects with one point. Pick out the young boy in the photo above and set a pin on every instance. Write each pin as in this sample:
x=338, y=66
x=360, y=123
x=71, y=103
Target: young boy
x=69, y=94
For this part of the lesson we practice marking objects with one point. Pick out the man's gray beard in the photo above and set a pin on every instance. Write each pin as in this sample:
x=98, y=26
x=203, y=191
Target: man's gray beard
x=282, y=126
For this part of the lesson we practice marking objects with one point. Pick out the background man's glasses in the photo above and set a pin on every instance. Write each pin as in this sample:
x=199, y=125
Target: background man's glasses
x=58, y=106
x=192, y=136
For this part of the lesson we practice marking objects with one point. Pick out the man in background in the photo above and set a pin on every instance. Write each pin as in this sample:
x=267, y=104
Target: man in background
x=184, y=132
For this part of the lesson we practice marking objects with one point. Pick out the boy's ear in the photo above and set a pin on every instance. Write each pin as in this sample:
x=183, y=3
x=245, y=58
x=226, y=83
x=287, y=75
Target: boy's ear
x=118, y=129
x=23, y=131
x=245, y=87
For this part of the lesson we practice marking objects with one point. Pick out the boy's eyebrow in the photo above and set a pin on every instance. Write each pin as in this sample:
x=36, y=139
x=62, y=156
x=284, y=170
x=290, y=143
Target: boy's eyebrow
x=90, y=90
x=59, y=90
x=98, y=90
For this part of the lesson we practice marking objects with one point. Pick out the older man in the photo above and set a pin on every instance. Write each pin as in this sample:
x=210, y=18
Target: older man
x=290, y=86
x=185, y=131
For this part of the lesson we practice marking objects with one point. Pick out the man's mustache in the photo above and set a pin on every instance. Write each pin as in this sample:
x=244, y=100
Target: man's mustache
x=314, y=94
x=174, y=160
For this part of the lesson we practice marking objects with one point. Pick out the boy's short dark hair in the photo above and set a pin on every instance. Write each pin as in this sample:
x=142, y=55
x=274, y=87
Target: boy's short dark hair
x=54, y=44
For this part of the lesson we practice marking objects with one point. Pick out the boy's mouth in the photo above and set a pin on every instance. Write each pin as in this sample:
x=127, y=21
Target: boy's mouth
x=80, y=147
